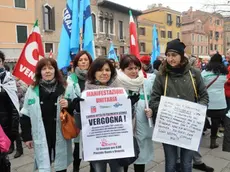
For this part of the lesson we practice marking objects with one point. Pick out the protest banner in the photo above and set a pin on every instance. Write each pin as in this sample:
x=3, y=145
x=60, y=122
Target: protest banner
x=180, y=123
x=107, y=131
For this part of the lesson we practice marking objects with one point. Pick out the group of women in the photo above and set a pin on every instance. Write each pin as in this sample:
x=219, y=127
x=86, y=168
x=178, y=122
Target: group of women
x=41, y=126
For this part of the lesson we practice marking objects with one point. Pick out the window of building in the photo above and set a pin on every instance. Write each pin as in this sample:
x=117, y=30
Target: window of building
x=170, y=34
x=206, y=52
x=193, y=52
x=178, y=21
x=48, y=47
x=216, y=47
x=48, y=18
x=163, y=34
x=94, y=23
x=121, y=30
x=178, y=35
x=101, y=24
x=217, y=35
x=211, y=34
x=192, y=37
x=106, y=26
x=142, y=31
x=211, y=46
x=122, y=49
x=169, y=19
x=103, y=51
x=115, y=49
x=218, y=22
x=111, y=26
x=201, y=51
x=198, y=49
x=142, y=45
x=21, y=34
x=20, y=3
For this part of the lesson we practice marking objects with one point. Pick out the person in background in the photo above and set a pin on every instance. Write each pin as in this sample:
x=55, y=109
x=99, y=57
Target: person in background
x=7, y=68
x=132, y=79
x=215, y=76
x=146, y=65
x=113, y=62
x=156, y=65
x=40, y=121
x=178, y=74
x=9, y=103
x=81, y=64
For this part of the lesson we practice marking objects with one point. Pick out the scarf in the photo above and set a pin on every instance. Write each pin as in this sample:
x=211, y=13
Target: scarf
x=81, y=74
x=113, y=83
x=179, y=70
x=2, y=72
x=131, y=84
x=49, y=86
x=9, y=85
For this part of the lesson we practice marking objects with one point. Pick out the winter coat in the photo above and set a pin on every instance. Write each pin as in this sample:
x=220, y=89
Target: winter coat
x=142, y=131
x=216, y=92
x=9, y=116
x=63, y=154
x=179, y=86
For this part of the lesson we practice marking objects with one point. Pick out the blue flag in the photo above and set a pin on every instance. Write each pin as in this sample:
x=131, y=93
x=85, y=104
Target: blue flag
x=112, y=53
x=156, y=45
x=88, y=37
x=69, y=40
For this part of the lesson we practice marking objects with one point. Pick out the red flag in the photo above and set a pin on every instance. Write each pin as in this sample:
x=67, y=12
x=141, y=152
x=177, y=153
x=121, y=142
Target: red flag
x=31, y=53
x=134, y=47
x=51, y=53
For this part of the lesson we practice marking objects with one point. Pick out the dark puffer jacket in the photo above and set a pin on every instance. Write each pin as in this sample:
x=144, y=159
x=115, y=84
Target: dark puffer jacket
x=9, y=117
x=179, y=86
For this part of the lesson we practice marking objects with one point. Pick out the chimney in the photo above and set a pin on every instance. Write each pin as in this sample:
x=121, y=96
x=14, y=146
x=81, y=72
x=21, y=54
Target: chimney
x=190, y=9
x=160, y=5
x=167, y=7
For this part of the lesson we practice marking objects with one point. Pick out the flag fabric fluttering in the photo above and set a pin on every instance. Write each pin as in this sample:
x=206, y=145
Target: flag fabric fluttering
x=77, y=19
x=112, y=53
x=134, y=47
x=32, y=52
x=88, y=36
x=68, y=37
x=155, y=44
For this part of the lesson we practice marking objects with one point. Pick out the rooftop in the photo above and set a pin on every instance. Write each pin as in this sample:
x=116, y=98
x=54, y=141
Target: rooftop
x=118, y=7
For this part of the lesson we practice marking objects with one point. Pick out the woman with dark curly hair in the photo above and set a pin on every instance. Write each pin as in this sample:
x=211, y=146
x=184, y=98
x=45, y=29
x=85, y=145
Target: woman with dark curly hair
x=40, y=123
x=214, y=78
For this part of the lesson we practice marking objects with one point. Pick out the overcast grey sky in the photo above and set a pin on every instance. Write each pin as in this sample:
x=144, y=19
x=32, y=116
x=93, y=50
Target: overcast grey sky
x=179, y=5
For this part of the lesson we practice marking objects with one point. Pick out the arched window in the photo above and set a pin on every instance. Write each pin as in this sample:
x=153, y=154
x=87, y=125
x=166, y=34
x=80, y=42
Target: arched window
x=94, y=23
x=48, y=18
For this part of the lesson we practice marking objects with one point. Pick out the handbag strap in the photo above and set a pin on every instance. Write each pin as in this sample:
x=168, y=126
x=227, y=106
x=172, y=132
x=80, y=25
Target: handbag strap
x=212, y=82
x=193, y=84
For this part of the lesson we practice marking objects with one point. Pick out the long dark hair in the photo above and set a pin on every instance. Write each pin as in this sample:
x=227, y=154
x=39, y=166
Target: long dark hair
x=78, y=56
x=97, y=65
x=216, y=65
x=48, y=61
x=183, y=63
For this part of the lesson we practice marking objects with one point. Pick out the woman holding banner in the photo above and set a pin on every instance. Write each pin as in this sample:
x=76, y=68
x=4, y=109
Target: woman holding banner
x=81, y=64
x=102, y=74
x=177, y=79
x=40, y=123
x=132, y=79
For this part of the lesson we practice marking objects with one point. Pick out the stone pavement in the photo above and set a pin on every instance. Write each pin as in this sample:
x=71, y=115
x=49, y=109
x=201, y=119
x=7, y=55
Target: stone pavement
x=219, y=160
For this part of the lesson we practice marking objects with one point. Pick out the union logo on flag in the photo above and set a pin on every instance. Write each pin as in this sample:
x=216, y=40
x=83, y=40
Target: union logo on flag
x=93, y=109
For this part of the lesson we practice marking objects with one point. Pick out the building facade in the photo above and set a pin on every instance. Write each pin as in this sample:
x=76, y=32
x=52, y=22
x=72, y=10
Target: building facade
x=145, y=32
x=194, y=37
x=111, y=23
x=213, y=24
x=226, y=35
x=16, y=21
x=169, y=21
x=50, y=17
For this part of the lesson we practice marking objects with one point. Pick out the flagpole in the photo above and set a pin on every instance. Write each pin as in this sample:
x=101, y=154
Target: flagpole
x=150, y=120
